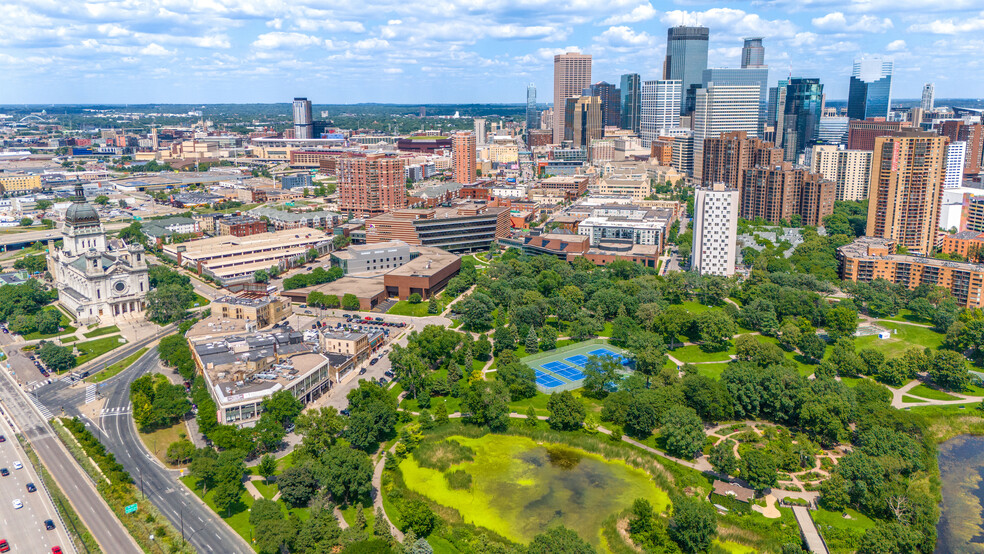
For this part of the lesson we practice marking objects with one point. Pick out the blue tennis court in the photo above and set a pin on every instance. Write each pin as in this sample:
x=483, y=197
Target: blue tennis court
x=580, y=360
x=605, y=352
x=555, y=367
x=571, y=374
x=546, y=380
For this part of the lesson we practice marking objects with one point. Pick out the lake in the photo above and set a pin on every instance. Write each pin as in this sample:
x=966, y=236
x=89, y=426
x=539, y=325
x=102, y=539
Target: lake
x=961, y=525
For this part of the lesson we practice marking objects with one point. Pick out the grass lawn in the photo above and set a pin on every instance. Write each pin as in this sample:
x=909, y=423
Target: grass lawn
x=973, y=390
x=158, y=441
x=923, y=391
x=69, y=339
x=239, y=514
x=802, y=367
x=102, y=331
x=94, y=348
x=711, y=370
x=840, y=533
x=695, y=307
x=117, y=367
x=349, y=513
x=268, y=490
x=199, y=300
x=906, y=315
x=851, y=382
x=606, y=331
x=539, y=403
x=906, y=399
x=451, y=404
x=907, y=336
x=404, y=307
x=693, y=354
x=65, y=324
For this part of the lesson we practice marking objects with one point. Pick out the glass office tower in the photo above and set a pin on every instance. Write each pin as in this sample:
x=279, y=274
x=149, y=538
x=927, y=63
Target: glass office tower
x=870, y=94
x=631, y=101
x=686, y=57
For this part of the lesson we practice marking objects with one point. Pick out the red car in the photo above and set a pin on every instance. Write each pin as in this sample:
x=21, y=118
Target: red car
x=4, y=547
x=56, y=550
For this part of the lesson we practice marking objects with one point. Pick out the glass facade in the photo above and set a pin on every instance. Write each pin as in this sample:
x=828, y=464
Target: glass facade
x=866, y=100
x=631, y=103
x=801, y=120
x=752, y=76
x=686, y=57
x=532, y=115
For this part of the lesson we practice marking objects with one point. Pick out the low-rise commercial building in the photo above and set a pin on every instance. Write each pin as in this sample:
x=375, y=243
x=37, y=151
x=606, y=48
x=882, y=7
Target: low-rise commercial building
x=464, y=227
x=426, y=274
x=240, y=226
x=289, y=220
x=372, y=257
x=578, y=185
x=161, y=230
x=263, y=310
x=19, y=183
x=569, y=247
x=870, y=258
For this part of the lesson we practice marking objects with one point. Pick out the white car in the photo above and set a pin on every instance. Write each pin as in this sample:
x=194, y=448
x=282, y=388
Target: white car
x=18, y=505
x=18, y=465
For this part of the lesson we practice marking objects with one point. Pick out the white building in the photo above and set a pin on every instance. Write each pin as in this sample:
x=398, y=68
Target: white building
x=479, y=131
x=101, y=281
x=928, y=97
x=833, y=129
x=629, y=224
x=956, y=154
x=723, y=109
x=850, y=169
x=715, y=230
x=659, y=108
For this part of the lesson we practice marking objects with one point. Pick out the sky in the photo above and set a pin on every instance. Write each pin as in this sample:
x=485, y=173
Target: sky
x=452, y=51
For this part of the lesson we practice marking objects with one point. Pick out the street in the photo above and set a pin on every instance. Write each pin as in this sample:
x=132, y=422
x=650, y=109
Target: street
x=30, y=534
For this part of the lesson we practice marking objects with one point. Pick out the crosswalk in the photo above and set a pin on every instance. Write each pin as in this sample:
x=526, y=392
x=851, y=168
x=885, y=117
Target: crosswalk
x=45, y=412
x=119, y=410
x=90, y=394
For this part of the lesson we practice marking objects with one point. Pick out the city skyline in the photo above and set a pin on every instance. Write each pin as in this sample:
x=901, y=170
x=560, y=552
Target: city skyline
x=406, y=52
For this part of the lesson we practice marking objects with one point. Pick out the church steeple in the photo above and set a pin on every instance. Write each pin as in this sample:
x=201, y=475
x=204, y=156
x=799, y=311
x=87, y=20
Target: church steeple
x=79, y=193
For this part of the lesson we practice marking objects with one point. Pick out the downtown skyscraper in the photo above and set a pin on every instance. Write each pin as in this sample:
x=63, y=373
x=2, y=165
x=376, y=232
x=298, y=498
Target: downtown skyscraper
x=572, y=74
x=631, y=90
x=686, y=58
x=303, y=120
x=870, y=93
x=532, y=115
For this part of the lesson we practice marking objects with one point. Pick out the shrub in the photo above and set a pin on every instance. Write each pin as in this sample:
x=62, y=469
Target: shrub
x=442, y=455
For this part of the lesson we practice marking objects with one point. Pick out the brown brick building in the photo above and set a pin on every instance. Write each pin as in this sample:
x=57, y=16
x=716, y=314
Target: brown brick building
x=372, y=185
x=861, y=133
x=870, y=258
x=973, y=135
x=778, y=193
x=464, y=227
x=240, y=226
x=463, y=158
x=964, y=243
x=575, y=184
x=728, y=156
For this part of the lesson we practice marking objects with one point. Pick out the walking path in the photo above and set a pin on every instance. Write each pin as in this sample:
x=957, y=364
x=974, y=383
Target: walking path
x=814, y=542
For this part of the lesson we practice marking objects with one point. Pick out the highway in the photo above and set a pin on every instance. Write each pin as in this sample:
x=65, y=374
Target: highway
x=101, y=521
x=202, y=527
x=24, y=528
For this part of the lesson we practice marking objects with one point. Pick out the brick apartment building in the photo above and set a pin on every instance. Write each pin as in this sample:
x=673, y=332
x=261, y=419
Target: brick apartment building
x=778, y=193
x=372, y=185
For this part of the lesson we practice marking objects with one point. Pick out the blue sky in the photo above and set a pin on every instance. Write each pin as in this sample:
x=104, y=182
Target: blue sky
x=416, y=51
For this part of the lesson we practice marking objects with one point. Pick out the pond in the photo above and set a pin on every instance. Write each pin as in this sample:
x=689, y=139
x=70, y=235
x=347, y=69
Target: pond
x=520, y=488
x=961, y=525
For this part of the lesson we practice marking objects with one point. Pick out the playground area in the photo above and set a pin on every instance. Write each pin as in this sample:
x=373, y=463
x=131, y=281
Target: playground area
x=563, y=369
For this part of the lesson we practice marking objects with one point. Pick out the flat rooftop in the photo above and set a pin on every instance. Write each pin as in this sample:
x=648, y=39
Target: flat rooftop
x=229, y=245
x=425, y=265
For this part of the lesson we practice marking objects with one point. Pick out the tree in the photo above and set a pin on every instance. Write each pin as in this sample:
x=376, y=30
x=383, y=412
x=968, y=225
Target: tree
x=532, y=341
x=683, y=431
x=267, y=466
x=261, y=276
x=264, y=510
x=889, y=538
x=180, y=452
x=789, y=335
x=57, y=358
x=548, y=338
x=26, y=222
x=226, y=495
x=319, y=428
x=418, y=517
x=283, y=407
x=487, y=403
x=482, y=348
x=43, y=205
x=722, y=457
x=168, y=303
x=414, y=298
x=601, y=374
x=432, y=306
x=350, y=302
x=949, y=370
x=476, y=311
x=640, y=417
x=331, y=301
x=812, y=346
x=102, y=200
x=380, y=525
x=559, y=540
x=694, y=523
x=346, y=473
x=504, y=339
x=204, y=464
x=841, y=322
x=715, y=329
x=758, y=468
x=566, y=412
x=833, y=493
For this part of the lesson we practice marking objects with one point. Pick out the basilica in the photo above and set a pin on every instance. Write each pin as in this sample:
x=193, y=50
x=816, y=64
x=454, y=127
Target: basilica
x=100, y=280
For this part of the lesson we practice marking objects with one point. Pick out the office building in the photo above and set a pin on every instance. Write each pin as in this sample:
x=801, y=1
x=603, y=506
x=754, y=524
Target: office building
x=752, y=76
x=775, y=112
x=463, y=227
x=463, y=160
x=753, y=53
x=833, y=129
x=631, y=101
x=956, y=153
x=583, y=117
x=479, y=125
x=861, y=134
x=850, y=170
x=801, y=116
x=686, y=58
x=723, y=109
x=19, y=183
x=371, y=185
x=626, y=225
x=928, y=97
x=906, y=187
x=726, y=157
x=240, y=226
x=296, y=180
x=970, y=133
x=659, y=109
x=611, y=102
x=575, y=185
x=532, y=114
x=263, y=311
x=870, y=92
x=715, y=230
x=780, y=193
x=870, y=258
x=303, y=121
x=572, y=74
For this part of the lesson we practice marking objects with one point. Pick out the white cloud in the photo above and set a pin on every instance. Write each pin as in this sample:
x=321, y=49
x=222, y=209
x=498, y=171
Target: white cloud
x=733, y=23
x=154, y=49
x=278, y=39
x=896, y=46
x=622, y=37
x=642, y=12
x=837, y=22
x=393, y=70
x=950, y=26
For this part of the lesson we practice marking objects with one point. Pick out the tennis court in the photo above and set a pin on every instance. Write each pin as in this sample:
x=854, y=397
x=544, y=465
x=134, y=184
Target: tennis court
x=563, y=369
x=610, y=353
x=546, y=380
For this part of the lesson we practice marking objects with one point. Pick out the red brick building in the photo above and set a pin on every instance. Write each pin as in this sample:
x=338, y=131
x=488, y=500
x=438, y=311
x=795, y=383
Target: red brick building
x=861, y=133
x=240, y=226
x=372, y=185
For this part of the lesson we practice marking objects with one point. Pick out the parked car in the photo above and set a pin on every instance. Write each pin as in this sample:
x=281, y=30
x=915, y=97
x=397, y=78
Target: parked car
x=373, y=361
x=56, y=550
x=3, y=438
x=363, y=371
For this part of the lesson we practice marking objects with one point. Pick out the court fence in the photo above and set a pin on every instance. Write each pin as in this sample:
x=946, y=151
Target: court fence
x=562, y=350
x=559, y=354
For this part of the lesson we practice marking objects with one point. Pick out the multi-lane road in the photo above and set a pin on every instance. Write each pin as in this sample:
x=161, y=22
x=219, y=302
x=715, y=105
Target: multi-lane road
x=23, y=528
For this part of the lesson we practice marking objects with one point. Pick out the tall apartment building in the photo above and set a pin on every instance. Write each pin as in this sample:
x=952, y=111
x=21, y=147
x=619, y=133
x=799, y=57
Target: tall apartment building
x=660, y=108
x=801, y=117
x=611, y=102
x=686, y=57
x=928, y=97
x=956, y=152
x=776, y=194
x=372, y=185
x=906, y=188
x=303, y=120
x=463, y=158
x=861, y=133
x=850, y=170
x=583, y=117
x=572, y=73
x=870, y=92
x=630, y=103
x=973, y=135
x=725, y=158
x=723, y=109
x=479, y=127
x=715, y=230
x=753, y=53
